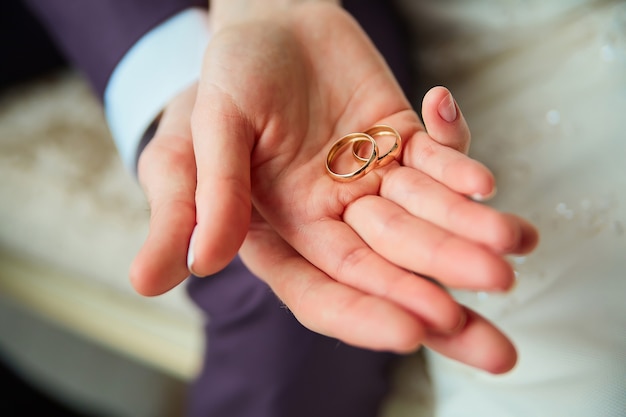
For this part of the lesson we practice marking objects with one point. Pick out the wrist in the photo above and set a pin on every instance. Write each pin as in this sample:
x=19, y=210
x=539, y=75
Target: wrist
x=226, y=13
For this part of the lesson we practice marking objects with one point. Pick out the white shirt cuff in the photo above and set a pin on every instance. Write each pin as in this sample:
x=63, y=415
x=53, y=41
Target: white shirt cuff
x=161, y=64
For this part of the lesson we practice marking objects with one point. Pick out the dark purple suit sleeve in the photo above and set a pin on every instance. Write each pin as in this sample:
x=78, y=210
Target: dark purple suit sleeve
x=94, y=35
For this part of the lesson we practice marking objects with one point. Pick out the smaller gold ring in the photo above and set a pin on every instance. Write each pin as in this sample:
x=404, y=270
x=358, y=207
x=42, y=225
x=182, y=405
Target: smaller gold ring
x=381, y=130
x=369, y=163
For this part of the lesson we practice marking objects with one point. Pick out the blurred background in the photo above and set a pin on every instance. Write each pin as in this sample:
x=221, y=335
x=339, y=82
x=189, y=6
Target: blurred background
x=74, y=337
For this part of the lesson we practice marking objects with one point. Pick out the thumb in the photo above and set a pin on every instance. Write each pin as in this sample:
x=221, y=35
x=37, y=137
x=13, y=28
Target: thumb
x=444, y=121
x=223, y=140
x=167, y=174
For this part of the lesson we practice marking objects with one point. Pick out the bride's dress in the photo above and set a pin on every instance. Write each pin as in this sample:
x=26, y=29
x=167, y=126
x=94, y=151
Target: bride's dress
x=543, y=87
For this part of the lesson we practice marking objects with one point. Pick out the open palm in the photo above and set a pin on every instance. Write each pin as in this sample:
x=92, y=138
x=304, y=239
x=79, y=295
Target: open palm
x=351, y=260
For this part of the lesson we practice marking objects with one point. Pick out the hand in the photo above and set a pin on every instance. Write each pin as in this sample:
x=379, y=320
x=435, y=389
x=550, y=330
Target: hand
x=273, y=96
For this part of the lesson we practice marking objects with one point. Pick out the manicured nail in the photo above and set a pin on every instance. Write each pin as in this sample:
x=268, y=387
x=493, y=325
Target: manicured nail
x=447, y=109
x=190, y=252
x=482, y=197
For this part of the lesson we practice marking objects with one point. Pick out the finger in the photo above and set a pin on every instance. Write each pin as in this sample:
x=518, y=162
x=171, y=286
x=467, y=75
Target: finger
x=420, y=246
x=428, y=199
x=325, y=305
x=167, y=174
x=340, y=253
x=479, y=344
x=445, y=125
x=529, y=235
x=444, y=121
x=222, y=144
x=448, y=166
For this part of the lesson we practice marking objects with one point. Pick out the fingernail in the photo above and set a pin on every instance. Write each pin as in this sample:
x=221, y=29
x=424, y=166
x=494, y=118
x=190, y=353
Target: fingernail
x=190, y=252
x=447, y=108
x=482, y=197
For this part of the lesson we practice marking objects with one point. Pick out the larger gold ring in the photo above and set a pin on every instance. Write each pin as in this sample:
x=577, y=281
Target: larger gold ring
x=381, y=130
x=353, y=139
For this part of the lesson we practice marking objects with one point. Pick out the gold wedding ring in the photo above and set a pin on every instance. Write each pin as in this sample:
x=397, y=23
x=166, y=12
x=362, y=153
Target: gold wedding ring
x=352, y=139
x=358, y=140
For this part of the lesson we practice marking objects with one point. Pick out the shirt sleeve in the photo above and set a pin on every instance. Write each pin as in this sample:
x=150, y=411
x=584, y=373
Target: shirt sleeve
x=159, y=65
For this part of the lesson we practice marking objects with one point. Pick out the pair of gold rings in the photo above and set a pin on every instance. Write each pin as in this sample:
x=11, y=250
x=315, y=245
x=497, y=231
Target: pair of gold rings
x=359, y=141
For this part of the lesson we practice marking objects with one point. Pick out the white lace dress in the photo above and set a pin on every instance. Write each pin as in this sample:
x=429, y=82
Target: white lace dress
x=543, y=87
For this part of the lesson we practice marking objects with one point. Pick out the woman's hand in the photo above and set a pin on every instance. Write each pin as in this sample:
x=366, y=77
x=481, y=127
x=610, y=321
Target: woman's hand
x=357, y=260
